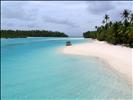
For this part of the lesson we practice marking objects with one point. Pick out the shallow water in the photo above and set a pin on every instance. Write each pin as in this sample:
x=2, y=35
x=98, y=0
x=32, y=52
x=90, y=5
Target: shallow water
x=35, y=69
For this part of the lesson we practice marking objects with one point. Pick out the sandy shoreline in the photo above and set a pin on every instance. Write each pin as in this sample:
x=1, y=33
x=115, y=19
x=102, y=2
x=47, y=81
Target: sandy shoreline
x=118, y=57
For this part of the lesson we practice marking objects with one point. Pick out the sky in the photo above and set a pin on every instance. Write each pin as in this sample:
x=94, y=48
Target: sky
x=70, y=17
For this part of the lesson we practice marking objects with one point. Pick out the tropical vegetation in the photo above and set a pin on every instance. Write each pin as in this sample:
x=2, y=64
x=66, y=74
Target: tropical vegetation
x=118, y=32
x=30, y=33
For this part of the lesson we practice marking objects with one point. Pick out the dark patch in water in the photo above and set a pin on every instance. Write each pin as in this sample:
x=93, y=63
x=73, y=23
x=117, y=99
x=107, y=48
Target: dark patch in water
x=16, y=44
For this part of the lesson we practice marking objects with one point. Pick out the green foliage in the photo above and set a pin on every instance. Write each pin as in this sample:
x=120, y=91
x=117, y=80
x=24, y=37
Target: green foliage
x=119, y=32
x=32, y=33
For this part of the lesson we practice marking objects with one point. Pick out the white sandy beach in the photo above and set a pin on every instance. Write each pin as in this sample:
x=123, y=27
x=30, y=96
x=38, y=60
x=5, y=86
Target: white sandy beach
x=118, y=57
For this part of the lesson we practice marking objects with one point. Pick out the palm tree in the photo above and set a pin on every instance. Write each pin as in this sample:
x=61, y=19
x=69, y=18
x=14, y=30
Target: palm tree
x=131, y=18
x=126, y=14
x=106, y=18
x=110, y=23
x=115, y=32
x=103, y=21
x=115, y=27
x=95, y=27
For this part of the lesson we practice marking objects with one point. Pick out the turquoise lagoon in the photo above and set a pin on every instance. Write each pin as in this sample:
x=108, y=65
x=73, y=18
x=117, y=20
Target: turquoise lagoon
x=36, y=69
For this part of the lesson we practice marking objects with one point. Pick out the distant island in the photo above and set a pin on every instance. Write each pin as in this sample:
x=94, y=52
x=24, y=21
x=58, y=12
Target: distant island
x=118, y=32
x=30, y=33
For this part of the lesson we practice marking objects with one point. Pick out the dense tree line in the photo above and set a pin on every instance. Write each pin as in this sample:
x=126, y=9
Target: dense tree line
x=119, y=32
x=30, y=33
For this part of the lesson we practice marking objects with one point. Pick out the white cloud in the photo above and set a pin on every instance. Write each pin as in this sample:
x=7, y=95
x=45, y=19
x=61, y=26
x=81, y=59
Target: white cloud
x=72, y=17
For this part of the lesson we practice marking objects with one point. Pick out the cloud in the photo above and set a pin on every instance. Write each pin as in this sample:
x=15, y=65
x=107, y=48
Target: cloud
x=18, y=10
x=71, y=17
x=59, y=21
x=96, y=7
